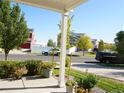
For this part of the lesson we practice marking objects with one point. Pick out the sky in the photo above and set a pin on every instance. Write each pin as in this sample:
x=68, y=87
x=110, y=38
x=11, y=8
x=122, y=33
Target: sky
x=99, y=19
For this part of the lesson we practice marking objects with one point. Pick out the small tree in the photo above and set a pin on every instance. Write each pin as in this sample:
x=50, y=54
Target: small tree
x=50, y=43
x=84, y=43
x=68, y=33
x=13, y=27
x=101, y=45
x=119, y=41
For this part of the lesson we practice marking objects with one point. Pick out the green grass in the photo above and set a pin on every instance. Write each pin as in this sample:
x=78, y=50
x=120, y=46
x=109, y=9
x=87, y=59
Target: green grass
x=111, y=65
x=90, y=55
x=110, y=85
x=104, y=83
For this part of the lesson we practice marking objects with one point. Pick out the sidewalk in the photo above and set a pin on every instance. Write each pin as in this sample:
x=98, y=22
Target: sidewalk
x=114, y=73
x=32, y=85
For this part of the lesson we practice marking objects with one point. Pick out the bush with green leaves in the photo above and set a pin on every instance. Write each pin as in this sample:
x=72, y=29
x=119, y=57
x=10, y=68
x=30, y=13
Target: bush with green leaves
x=89, y=82
x=6, y=69
x=12, y=69
x=70, y=83
x=16, y=69
x=47, y=65
x=32, y=67
x=80, y=90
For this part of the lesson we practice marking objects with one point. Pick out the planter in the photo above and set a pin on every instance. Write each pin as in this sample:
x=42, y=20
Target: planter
x=70, y=89
x=47, y=73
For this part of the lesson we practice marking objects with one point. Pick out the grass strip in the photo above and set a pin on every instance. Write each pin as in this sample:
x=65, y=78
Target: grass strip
x=104, y=83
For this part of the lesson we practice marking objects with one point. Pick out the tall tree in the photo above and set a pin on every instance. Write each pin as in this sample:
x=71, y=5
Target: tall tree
x=119, y=41
x=110, y=47
x=13, y=27
x=101, y=45
x=50, y=43
x=68, y=33
x=84, y=43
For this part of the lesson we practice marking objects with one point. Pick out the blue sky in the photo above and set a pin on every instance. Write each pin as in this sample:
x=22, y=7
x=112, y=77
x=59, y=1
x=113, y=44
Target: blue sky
x=99, y=19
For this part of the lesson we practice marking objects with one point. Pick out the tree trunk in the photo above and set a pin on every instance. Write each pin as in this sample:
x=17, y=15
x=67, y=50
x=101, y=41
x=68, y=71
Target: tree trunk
x=6, y=56
x=83, y=53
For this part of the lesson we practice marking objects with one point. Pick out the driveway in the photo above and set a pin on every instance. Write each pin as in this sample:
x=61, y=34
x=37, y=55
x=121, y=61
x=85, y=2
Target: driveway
x=111, y=72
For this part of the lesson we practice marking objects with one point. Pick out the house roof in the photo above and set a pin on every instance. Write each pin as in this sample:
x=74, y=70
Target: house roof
x=61, y=6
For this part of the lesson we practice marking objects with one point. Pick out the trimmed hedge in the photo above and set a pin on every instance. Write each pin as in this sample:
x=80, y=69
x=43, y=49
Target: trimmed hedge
x=16, y=69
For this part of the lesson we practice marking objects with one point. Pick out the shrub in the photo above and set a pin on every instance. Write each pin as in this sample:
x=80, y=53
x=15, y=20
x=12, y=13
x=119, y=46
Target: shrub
x=7, y=68
x=80, y=90
x=68, y=62
x=47, y=65
x=16, y=69
x=89, y=82
x=32, y=67
x=19, y=72
x=12, y=69
x=70, y=83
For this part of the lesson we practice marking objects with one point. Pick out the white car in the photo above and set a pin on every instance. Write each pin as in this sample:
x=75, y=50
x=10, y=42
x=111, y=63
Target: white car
x=55, y=51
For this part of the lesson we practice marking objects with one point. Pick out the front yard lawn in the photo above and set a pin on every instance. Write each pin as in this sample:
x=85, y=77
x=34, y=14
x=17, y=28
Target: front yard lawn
x=90, y=55
x=109, y=85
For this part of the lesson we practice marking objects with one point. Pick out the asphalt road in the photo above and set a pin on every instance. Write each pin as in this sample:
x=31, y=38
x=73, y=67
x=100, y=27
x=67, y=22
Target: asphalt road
x=75, y=59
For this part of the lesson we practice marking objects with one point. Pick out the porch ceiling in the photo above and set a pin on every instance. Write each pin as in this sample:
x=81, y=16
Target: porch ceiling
x=61, y=6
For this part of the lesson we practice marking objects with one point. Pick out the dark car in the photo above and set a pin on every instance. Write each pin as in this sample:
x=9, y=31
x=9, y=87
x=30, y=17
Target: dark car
x=106, y=57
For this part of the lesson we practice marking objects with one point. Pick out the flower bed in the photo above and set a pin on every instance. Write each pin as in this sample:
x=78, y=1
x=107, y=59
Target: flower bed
x=17, y=69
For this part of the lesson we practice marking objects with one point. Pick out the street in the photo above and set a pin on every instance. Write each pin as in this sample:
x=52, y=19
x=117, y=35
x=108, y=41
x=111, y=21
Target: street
x=75, y=59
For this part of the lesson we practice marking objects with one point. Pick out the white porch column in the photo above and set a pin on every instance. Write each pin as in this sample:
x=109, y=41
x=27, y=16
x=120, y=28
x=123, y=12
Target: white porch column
x=63, y=50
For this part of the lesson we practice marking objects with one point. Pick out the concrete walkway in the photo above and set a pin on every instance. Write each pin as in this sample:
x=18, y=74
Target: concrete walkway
x=110, y=72
x=32, y=85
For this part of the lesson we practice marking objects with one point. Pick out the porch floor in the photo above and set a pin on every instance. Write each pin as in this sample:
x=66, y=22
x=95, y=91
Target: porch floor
x=31, y=85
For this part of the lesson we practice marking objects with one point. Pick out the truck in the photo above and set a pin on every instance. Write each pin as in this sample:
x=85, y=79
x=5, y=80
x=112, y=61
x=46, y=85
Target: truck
x=107, y=57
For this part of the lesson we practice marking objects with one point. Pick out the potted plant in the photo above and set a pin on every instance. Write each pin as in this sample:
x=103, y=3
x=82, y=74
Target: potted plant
x=47, y=69
x=80, y=90
x=88, y=82
x=70, y=86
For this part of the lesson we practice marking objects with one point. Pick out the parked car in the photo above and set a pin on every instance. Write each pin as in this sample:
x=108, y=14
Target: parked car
x=56, y=52
x=106, y=57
